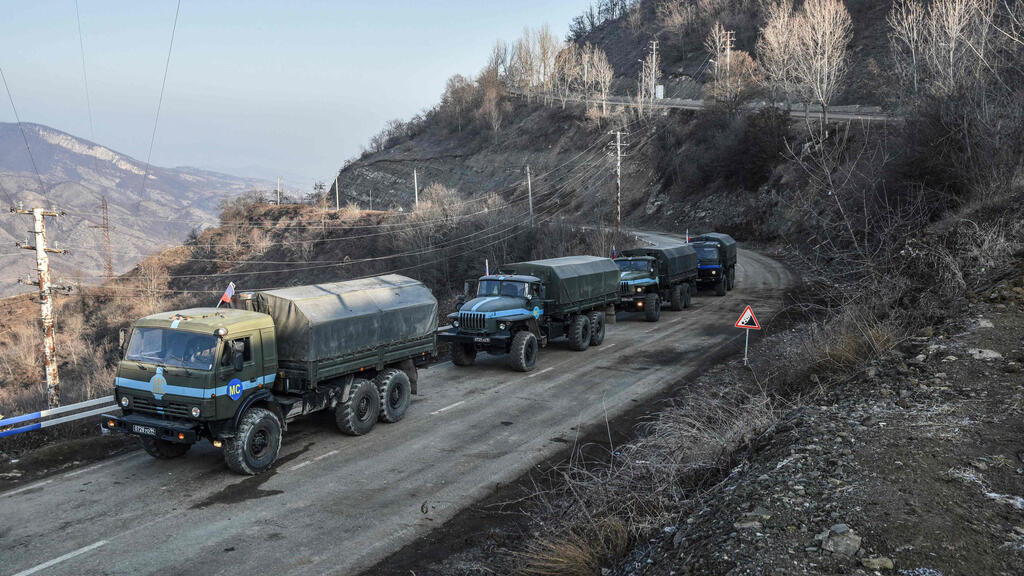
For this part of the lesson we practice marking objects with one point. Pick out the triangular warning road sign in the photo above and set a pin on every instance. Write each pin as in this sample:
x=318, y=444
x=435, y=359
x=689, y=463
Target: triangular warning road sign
x=748, y=320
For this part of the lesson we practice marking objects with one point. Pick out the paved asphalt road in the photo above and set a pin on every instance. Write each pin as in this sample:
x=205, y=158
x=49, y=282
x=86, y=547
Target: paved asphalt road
x=337, y=505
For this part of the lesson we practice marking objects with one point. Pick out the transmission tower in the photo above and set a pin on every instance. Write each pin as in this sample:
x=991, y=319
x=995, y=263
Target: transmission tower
x=108, y=260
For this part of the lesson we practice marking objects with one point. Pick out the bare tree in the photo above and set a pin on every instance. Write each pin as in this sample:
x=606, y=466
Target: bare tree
x=719, y=45
x=823, y=31
x=492, y=93
x=459, y=97
x=776, y=49
x=567, y=72
x=906, y=38
x=547, y=48
x=604, y=74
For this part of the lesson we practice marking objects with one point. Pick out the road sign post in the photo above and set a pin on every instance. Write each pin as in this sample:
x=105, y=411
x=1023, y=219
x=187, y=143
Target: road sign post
x=748, y=322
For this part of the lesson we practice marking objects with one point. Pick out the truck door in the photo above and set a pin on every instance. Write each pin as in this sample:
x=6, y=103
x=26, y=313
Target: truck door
x=252, y=364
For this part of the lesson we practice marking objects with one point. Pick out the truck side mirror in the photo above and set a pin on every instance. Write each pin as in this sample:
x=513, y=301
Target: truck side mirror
x=239, y=362
x=122, y=340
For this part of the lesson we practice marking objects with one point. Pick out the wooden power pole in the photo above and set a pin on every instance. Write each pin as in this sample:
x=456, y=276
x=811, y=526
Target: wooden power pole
x=529, y=191
x=45, y=297
x=337, y=198
x=416, y=187
x=618, y=181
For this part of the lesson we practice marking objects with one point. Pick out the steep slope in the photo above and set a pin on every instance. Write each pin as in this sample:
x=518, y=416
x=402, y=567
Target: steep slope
x=75, y=175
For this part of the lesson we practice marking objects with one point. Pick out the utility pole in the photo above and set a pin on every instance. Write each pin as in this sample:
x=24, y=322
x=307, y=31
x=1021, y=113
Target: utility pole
x=654, y=68
x=45, y=296
x=618, y=181
x=416, y=187
x=108, y=261
x=337, y=200
x=529, y=190
x=278, y=190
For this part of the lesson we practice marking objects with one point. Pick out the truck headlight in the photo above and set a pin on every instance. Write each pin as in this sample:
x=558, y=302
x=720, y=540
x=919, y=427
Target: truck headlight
x=124, y=401
x=713, y=272
x=502, y=326
x=195, y=411
x=639, y=290
x=455, y=323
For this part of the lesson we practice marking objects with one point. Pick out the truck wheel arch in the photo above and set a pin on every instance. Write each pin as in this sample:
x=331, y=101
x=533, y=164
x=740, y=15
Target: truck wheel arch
x=262, y=399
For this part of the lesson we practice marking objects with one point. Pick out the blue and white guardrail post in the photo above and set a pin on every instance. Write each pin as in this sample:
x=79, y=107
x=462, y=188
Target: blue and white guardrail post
x=38, y=422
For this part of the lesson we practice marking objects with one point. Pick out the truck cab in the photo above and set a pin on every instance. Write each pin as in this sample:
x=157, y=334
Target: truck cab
x=712, y=269
x=639, y=285
x=186, y=374
x=502, y=306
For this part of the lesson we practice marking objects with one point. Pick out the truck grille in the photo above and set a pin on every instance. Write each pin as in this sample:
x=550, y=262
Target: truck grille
x=625, y=289
x=471, y=321
x=169, y=409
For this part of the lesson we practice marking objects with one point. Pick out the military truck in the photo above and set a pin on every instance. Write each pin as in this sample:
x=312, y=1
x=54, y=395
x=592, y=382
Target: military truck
x=716, y=255
x=237, y=376
x=656, y=274
x=526, y=305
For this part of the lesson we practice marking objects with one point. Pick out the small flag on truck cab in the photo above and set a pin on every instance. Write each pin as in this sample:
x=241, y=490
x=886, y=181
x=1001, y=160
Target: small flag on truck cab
x=228, y=293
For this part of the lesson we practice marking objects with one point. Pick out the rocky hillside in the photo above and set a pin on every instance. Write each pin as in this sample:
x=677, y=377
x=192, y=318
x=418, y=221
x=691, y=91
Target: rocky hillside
x=75, y=175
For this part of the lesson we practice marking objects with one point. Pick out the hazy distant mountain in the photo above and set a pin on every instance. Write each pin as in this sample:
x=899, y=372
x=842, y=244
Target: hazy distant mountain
x=76, y=174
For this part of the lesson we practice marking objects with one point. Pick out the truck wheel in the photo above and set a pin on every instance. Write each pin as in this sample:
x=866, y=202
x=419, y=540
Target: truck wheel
x=722, y=286
x=579, y=333
x=596, y=328
x=687, y=296
x=162, y=449
x=358, y=415
x=677, y=298
x=732, y=278
x=393, y=390
x=463, y=354
x=523, y=355
x=652, y=307
x=256, y=443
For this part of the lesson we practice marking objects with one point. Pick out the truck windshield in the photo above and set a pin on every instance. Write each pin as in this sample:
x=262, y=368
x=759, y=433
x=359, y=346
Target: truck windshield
x=709, y=253
x=502, y=288
x=172, y=348
x=633, y=265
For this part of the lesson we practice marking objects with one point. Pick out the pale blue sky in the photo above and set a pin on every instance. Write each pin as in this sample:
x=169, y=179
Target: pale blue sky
x=254, y=88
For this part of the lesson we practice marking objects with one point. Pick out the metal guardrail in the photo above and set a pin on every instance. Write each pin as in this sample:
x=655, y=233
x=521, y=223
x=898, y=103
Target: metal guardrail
x=107, y=401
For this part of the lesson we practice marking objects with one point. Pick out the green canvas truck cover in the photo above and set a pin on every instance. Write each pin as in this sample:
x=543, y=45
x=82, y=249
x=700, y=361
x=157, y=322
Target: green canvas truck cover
x=677, y=260
x=723, y=240
x=572, y=278
x=326, y=321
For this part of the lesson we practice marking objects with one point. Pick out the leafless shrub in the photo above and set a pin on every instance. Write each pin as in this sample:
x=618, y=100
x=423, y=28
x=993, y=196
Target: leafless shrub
x=734, y=75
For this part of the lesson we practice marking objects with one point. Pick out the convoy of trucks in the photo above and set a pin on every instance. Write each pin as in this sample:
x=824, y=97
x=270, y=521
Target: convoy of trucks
x=656, y=274
x=236, y=376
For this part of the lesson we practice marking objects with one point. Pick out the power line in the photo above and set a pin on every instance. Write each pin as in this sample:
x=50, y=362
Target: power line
x=85, y=76
x=42, y=189
x=160, y=102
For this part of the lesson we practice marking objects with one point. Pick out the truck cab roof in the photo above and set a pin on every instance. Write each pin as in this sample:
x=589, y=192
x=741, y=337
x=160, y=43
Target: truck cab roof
x=510, y=278
x=207, y=320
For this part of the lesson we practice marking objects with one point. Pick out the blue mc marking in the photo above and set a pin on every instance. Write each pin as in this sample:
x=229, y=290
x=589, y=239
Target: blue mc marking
x=235, y=389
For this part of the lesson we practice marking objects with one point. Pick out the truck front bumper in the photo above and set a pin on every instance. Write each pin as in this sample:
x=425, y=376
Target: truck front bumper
x=710, y=275
x=182, y=432
x=483, y=341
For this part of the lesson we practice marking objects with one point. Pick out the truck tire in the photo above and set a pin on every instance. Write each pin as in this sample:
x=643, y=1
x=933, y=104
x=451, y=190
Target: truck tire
x=688, y=295
x=596, y=328
x=652, y=307
x=393, y=389
x=162, y=449
x=732, y=278
x=359, y=413
x=678, y=302
x=255, y=444
x=463, y=354
x=522, y=357
x=722, y=286
x=579, y=333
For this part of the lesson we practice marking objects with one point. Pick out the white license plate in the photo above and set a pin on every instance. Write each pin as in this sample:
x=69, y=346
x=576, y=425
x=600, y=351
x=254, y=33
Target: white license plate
x=147, y=430
x=484, y=340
